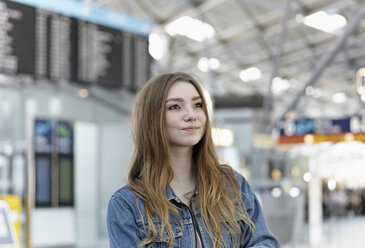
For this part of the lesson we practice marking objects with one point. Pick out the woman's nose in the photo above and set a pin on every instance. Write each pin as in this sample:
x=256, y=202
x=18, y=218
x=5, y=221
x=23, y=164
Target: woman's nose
x=190, y=114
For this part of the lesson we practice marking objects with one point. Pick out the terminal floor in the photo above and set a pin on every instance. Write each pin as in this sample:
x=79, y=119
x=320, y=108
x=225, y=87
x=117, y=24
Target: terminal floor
x=339, y=232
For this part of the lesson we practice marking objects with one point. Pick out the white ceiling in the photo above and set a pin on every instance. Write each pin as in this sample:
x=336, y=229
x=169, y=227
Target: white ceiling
x=266, y=34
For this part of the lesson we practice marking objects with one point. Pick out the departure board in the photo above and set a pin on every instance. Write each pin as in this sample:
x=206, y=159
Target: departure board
x=56, y=47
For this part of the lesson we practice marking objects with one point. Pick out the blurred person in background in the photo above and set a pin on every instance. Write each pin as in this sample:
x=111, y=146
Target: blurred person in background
x=362, y=197
x=178, y=195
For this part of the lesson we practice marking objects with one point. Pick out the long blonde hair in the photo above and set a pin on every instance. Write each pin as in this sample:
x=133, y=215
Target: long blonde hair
x=150, y=172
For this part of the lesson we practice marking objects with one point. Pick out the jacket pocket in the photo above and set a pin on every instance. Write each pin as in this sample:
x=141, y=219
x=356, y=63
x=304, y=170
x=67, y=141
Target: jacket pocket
x=161, y=242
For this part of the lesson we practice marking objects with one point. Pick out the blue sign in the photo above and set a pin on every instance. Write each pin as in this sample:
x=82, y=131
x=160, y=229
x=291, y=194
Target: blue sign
x=43, y=141
x=354, y=124
x=306, y=126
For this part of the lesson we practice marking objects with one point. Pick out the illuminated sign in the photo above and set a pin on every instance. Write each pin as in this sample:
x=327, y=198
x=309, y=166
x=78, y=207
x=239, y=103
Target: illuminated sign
x=354, y=124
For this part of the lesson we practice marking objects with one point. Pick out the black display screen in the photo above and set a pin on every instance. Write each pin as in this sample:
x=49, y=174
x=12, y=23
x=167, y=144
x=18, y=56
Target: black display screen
x=56, y=47
x=17, y=38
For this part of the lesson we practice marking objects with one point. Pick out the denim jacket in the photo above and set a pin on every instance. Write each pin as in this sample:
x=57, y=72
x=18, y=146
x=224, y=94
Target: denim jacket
x=125, y=226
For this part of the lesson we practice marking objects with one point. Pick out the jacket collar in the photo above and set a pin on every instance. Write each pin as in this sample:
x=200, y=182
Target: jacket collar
x=170, y=194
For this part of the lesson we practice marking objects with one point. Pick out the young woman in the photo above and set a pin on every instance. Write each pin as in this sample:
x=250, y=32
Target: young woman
x=178, y=195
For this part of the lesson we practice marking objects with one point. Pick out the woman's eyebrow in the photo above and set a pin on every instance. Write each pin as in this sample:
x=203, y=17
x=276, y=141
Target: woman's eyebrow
x=179, y=99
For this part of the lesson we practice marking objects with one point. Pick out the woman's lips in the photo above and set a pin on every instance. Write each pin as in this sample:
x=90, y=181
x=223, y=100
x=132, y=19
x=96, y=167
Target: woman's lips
x=191, y=129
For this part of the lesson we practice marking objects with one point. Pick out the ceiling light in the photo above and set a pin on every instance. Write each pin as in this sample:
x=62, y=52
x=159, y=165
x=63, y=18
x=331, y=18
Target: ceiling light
x=294, y=192
x=276, y=192
x=205, y=64
x=157, y=46
x=307, y=177
x=250, y=74
x=214, y=63
x=316, y=93
x=327, y=22
x=339, y=97
x=309, y=90
x=279, y=85
x=191, y=28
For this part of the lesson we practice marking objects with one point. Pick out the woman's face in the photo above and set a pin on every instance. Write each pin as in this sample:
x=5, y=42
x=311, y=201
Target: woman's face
x=185, y=116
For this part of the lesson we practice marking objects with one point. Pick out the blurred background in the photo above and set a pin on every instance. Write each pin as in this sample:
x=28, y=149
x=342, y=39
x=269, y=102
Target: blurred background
x=286, y=80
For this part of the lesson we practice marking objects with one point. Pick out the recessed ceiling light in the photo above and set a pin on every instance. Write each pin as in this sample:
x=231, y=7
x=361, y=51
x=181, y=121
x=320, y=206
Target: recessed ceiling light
x=250, y=74
x=339, y=97
x=191, y=28
x=205, y=64
x=327, y=22
x=279, y=85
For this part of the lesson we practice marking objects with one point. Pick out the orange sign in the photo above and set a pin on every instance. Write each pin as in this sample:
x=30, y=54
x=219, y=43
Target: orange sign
x=315, y=138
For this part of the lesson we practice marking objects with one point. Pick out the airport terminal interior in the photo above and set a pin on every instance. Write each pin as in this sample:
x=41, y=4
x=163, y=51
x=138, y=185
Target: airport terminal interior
x=285, y=81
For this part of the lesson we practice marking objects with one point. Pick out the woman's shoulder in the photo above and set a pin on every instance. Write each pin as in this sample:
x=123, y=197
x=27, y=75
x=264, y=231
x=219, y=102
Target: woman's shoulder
x=229, y=172
x=124, y=205
x=125, y=194
x=240, y=178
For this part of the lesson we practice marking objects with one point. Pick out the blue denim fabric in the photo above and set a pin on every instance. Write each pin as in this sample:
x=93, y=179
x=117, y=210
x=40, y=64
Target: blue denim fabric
x=125, y=226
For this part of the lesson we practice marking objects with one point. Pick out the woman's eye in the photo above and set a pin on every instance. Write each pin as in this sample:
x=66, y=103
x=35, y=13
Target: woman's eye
x=175, y=106
x=198, y=105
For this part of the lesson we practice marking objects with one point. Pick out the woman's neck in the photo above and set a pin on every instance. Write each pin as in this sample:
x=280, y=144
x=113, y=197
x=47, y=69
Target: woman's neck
x=184, y=180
